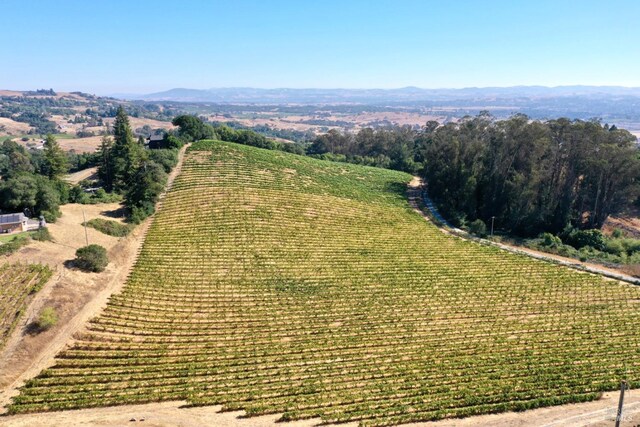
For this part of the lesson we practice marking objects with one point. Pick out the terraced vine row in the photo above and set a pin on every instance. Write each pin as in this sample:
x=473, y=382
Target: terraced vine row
x=276, y=283
x=17, y=283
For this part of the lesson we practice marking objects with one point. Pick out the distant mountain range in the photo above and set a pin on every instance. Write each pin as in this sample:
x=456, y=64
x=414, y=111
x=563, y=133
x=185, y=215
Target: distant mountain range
x=407, y=95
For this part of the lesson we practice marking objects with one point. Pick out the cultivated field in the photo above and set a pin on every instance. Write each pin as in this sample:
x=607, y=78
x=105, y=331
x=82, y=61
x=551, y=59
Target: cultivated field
x=281, y=284
x=18, y=282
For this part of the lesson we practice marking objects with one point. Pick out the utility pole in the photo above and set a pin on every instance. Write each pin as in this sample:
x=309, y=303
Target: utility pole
x=84, y=221
x=492, y=220
x=623, y=386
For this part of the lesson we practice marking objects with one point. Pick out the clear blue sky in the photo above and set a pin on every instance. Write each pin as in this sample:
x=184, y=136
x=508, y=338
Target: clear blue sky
x=138, y=46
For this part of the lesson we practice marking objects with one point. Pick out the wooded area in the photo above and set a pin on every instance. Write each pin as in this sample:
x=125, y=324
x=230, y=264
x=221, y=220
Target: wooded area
x=532, y=176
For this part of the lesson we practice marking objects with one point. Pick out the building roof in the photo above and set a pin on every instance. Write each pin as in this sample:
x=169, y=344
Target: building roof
x=14, y=218
x=155, y=138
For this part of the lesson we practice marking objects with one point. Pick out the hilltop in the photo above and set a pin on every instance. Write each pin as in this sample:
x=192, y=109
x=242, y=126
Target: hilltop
x=277, y=283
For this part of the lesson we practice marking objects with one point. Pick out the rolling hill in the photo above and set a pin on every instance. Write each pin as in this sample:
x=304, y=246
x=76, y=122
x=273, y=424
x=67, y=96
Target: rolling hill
x=276, y=283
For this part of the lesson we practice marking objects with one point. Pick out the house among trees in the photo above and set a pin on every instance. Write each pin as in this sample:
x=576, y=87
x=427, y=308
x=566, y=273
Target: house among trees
x=155, y=141
x=11, y=223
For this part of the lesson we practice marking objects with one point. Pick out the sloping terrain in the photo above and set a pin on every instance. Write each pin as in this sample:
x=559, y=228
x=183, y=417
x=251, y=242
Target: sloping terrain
x=277, y=283
x=18, y=283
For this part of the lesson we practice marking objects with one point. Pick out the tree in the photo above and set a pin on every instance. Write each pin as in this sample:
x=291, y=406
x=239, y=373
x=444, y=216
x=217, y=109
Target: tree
x=142, y=195
x=55, y=162
x=92, y=258
x=126, y=154
x=191, y=128
x=14, y=159
x=36, y=193
x=105, y=164
x=19, y=193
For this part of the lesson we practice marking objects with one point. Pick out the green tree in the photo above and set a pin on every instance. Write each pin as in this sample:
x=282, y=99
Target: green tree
x=55, y=162
x=105, y=163
x=126, y=154
x=92, y=258
x=191, y=128
x=14, y=159
x=36, y=193
x=142, y=195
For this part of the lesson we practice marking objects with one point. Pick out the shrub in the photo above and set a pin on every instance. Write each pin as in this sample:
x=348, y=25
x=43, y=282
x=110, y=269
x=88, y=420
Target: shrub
x=168, y=159
x=92, y=258
x=42, y=235
x=581, y=238
x=14, y=245
x=617, y=233
x=478, y=227
x=47, y=319
x=550, y=240
x=77, y=195
x=51, y=216
x=110, y=227
x=102, y=196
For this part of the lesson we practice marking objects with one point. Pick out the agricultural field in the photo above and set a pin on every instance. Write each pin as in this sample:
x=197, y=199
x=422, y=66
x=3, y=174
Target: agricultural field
x=276, y=283
x=18, y=282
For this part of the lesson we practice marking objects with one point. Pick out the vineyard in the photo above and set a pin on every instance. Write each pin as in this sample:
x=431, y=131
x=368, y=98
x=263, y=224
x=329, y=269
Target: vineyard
x=18, y=282
x=276, y=283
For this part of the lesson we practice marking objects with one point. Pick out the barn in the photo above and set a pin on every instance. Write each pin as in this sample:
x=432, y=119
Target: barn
x=10, y=223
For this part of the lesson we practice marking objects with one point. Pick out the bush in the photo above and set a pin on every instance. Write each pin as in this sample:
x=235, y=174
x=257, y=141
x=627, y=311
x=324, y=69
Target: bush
x=42, y=235
x=593, y=238
x=102, y=196
x=92, y=258
x=168, y=159
x=550, y=240
x=110, y=227
x=14, y=245
x=77, y=195
x=478, y=227
x=47, y=319
x=617, y=233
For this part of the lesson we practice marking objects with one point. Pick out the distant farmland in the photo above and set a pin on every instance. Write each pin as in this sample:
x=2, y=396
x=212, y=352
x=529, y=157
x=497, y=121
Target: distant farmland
x=276, y=283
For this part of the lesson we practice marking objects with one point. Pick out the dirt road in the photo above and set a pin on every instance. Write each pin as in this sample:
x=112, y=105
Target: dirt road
x=599, y=413
x=76, y=177
x=413, y=191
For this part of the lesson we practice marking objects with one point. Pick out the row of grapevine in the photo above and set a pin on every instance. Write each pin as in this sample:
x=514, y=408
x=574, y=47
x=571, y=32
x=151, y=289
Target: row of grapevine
x=275, y=283
x=18, y=283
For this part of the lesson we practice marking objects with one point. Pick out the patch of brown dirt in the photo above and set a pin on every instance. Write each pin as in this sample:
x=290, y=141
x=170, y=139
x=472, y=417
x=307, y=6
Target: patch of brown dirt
x=629, y=225
x=76, y=177
x=600, y=413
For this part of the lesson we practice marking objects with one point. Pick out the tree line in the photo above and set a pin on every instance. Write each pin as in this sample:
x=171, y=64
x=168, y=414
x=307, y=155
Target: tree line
x=125, y=167
x=530, y=176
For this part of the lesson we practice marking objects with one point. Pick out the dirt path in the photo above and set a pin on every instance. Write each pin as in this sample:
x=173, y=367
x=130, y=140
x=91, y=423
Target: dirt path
x=76, y=177
x=600, y=413
x=77, y=297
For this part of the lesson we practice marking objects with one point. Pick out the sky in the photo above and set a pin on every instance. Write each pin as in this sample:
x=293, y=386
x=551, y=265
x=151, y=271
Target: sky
x=140, y=46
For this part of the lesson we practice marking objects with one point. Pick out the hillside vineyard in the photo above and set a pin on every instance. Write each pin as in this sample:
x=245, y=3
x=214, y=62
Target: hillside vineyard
x=276, y=283
x=18, y=283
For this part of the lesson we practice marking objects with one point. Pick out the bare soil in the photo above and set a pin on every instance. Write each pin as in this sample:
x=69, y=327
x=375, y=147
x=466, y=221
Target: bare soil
x=600, y=413
x=76, y=177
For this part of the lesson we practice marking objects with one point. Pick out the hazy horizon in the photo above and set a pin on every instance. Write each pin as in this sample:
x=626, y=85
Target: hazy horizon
x=145, y=47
